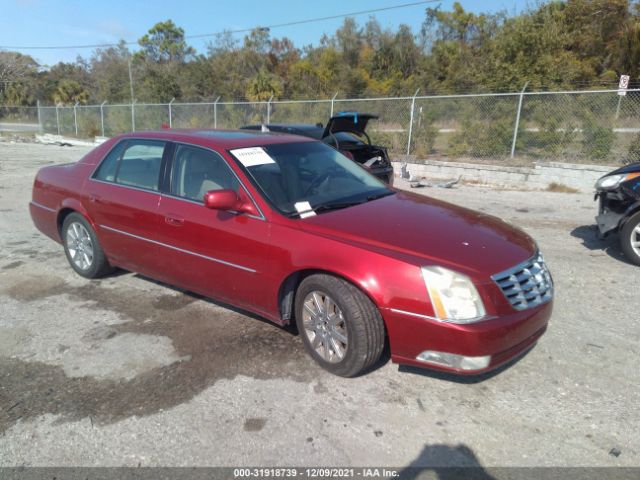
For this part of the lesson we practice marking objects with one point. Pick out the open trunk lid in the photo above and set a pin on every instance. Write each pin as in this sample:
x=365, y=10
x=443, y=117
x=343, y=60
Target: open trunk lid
x=348, y=122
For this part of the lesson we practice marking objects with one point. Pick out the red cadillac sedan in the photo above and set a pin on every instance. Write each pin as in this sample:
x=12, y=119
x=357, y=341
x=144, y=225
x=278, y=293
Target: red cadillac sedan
x=290, y=229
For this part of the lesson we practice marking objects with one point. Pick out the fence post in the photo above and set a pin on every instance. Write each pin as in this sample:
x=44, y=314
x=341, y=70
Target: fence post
x=170, y=116
x=413, y=105
x=39, y=118
x=133, y=116
x=102, y=116
x=269, y=110
x=215, y=113
x=75, y=117
x=517, y=126
x=333, y=99
x=58, y=119
x=618, y=106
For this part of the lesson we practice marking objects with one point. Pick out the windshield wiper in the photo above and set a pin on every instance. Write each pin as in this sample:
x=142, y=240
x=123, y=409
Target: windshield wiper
x=379, y=195
x=327, y=207
x=336, y=206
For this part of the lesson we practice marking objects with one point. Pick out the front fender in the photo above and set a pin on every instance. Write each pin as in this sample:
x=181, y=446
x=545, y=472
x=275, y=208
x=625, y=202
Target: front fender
x=387, y=281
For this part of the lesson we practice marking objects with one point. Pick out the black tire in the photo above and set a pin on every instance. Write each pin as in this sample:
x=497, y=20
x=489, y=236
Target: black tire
x=99, y=265
x=629, y=234
x=363, y=322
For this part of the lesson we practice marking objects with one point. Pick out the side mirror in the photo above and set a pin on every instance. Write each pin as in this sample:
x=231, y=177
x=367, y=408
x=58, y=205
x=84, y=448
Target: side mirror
x=228, y=200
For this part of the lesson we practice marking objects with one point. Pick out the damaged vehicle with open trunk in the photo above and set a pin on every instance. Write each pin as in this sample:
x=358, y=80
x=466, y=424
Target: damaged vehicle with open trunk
x=346, y=132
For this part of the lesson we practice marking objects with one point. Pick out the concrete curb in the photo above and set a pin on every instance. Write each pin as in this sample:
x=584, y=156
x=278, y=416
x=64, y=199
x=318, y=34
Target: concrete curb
x=578, y=176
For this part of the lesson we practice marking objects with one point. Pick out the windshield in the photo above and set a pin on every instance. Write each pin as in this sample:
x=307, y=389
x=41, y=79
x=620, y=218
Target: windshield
x=291, y=174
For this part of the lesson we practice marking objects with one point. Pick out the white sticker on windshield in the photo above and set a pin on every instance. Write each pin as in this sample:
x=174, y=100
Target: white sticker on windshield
x=252, y=156
x=304, y=209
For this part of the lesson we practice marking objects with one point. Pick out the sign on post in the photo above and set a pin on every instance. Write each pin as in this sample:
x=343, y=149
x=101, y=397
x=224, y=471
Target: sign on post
x=623, y=85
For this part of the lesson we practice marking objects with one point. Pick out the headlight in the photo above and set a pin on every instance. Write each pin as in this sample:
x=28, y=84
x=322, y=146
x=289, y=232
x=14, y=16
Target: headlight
x=454, y=296
x=612, y=181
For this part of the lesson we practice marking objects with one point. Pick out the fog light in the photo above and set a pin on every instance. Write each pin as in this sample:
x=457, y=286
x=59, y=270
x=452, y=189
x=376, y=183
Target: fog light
x=451, y=360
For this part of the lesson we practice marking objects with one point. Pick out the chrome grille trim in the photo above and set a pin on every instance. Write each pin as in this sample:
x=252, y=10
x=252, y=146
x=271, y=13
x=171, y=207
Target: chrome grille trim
x=526, y=285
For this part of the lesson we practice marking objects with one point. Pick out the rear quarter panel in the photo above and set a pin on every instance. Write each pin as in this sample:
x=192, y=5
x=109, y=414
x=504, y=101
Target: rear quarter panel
x=57, y=187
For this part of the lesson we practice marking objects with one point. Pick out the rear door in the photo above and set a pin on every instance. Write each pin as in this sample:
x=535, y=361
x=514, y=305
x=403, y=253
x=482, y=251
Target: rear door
x=219, y=254
x=123, y=198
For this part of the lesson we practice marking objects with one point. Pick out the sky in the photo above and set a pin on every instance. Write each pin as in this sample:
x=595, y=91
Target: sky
x=73, y=22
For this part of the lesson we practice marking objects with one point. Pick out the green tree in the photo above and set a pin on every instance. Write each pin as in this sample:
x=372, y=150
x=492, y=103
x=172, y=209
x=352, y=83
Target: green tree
x=110, y=71
x=263, y=86
x=165, y=43
x=18, y=75
x=158, y=65
x=69, y=92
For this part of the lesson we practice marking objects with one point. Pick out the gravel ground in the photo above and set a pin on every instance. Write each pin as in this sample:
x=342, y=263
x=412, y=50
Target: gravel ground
x=125, y=372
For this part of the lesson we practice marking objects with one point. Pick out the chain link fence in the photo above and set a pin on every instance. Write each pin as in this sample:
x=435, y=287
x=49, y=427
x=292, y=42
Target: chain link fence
x=596, y=126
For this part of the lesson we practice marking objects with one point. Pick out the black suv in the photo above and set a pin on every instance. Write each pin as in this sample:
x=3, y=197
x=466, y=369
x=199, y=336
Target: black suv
x=619, y=195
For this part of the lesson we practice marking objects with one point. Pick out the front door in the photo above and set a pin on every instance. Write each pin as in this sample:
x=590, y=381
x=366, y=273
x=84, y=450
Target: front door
x=219, y=254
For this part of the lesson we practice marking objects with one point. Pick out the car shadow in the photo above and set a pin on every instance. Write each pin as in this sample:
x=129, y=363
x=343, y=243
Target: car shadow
x=291, y=328
x=609, y=245
x=463, y=379
x=195, y=296
x=445, y=462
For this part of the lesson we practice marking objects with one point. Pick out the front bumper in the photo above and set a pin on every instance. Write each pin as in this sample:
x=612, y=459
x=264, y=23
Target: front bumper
x=607, y=219
x=503, y=338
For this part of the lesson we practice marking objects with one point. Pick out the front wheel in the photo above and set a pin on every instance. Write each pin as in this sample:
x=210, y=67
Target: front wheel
x=81, y=246
x=630, y=239
x=341, y=328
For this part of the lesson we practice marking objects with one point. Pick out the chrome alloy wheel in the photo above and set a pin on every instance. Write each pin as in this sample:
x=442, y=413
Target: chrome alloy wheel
x=325, y=327
x=79, y=245
x=635, y=239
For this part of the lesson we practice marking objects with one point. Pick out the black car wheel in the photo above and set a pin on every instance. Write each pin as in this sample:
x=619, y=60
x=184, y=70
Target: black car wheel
x=341, y=328
x=630, y=238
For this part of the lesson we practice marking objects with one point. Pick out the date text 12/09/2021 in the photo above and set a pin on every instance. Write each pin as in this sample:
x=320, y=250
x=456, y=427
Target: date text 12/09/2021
x=314, y=473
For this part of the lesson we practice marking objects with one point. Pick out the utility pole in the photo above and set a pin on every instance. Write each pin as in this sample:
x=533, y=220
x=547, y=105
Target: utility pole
x=130, y=79
x=133, y=114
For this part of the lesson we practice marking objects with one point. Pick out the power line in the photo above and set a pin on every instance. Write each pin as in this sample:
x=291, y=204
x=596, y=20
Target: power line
x=244, y=30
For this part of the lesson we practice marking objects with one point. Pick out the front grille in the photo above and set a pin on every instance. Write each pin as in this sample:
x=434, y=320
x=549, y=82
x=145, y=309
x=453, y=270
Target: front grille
x=527, y=284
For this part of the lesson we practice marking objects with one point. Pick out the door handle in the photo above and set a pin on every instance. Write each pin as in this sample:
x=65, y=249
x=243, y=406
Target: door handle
x=94, y=198
x=174, y=220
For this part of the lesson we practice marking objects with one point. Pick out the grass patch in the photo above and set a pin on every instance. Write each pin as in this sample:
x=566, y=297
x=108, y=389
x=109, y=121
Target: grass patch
x=561, y=188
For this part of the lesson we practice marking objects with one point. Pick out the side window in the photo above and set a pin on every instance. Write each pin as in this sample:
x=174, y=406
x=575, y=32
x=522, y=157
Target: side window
x=107, y=169
x=196, y=171
x=140, y=164
x=133, y=162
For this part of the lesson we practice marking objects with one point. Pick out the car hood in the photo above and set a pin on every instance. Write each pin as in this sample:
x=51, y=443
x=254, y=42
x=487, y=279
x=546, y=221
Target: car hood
x=426, y=231
x=631, y=168
x=348, y=122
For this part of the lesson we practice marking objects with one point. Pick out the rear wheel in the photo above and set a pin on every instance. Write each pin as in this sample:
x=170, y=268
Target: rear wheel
x=81, y=246
x=630, y=239
x=341, y=328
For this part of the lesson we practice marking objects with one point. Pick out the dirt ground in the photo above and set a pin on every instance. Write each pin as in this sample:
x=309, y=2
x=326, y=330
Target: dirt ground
x=125, y=371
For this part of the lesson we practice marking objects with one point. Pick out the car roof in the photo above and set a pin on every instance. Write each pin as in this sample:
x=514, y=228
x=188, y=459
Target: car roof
x=224, y=139
x=299, y=126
